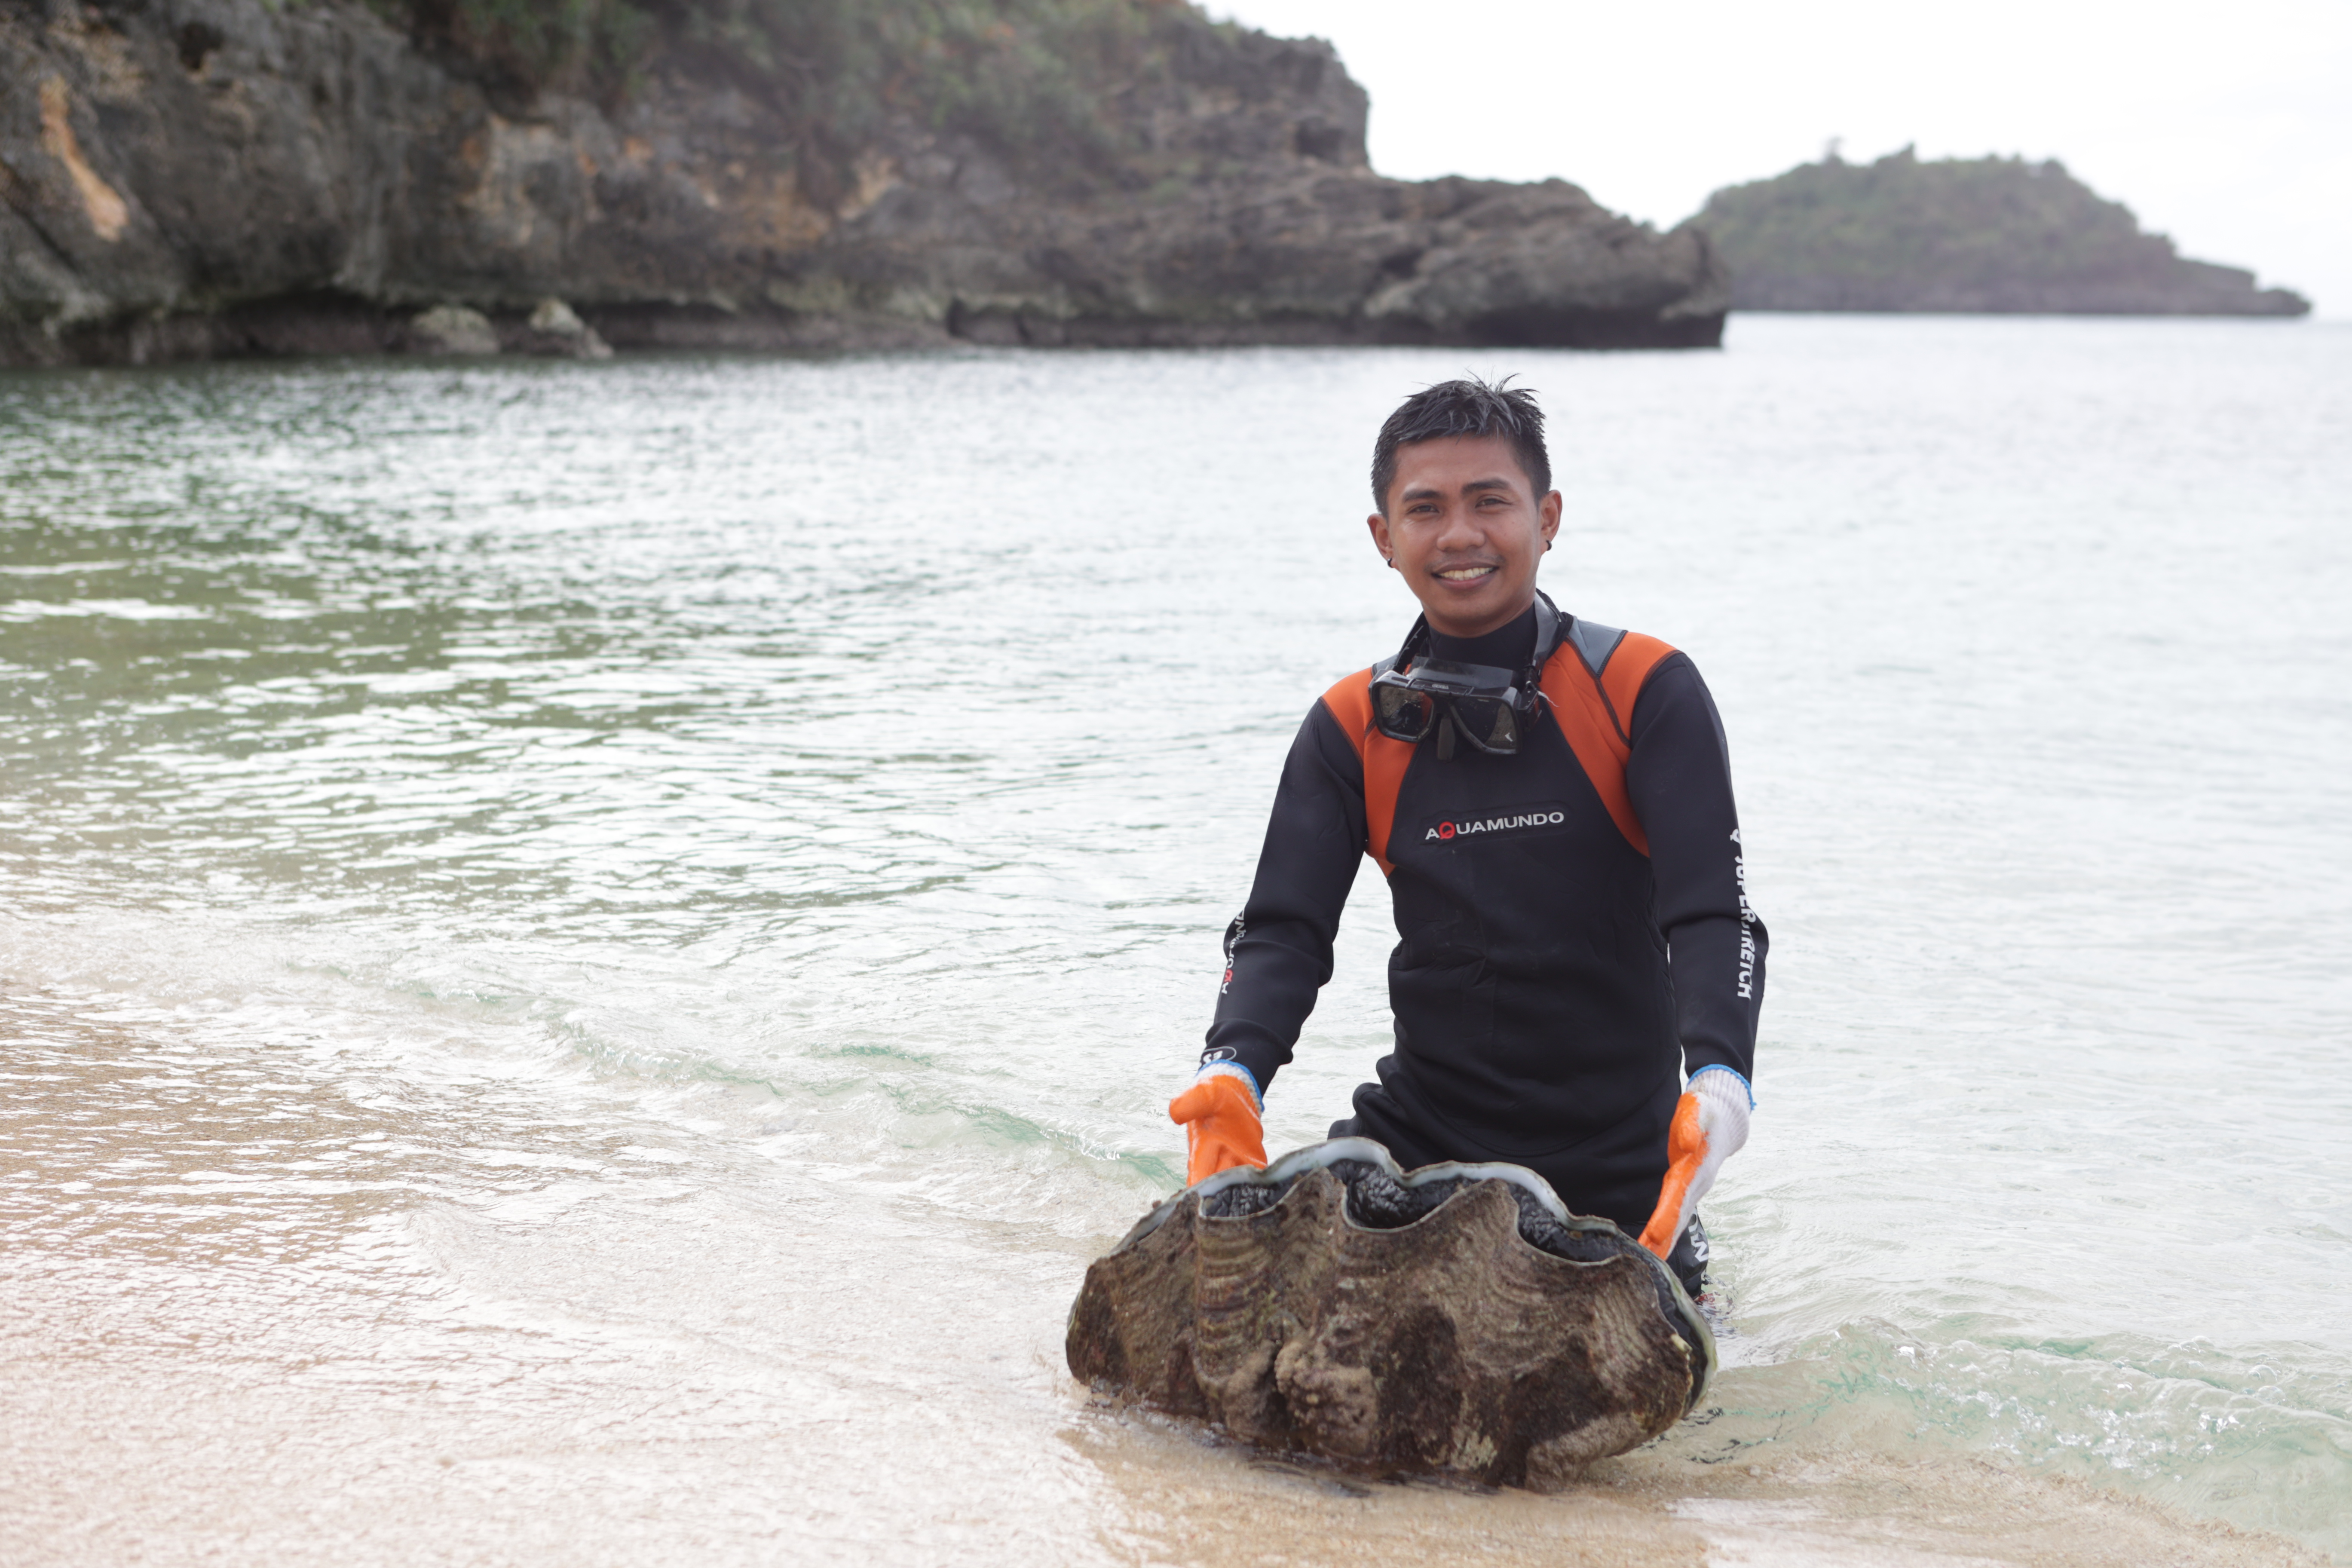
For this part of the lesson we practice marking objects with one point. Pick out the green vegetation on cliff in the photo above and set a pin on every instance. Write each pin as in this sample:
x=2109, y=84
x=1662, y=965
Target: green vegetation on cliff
x=1959, y=235
x=295, y=176
x=1041, y=82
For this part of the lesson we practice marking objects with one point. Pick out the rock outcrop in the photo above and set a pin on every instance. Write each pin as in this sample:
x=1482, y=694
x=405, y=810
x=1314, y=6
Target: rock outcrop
x=1963, y=234
x=183, y=178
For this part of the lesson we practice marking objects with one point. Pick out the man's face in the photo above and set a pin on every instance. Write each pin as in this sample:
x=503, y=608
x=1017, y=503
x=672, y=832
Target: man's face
x=1467, y=529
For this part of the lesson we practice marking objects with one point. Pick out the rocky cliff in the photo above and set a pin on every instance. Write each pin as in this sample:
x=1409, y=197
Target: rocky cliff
x=1982, y=235
x=183, y=178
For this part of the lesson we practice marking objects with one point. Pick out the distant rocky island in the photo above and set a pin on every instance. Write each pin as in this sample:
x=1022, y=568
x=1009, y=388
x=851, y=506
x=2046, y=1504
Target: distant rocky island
x=193, y=178
x=1978, y=234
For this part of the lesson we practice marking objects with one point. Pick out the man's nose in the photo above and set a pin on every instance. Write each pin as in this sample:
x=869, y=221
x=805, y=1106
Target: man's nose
x=1462, y=529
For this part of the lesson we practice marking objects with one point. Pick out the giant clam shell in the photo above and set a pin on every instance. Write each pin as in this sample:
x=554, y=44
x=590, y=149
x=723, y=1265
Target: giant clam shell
x=1454, y=1320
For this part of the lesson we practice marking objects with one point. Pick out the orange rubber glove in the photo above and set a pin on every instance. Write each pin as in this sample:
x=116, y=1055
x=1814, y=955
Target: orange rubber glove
x=1221, y=1122
x=1710, y=1126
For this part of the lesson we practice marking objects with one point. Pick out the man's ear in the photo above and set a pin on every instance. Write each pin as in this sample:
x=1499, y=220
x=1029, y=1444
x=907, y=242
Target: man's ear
x=1378, y=523
x=1549, y=508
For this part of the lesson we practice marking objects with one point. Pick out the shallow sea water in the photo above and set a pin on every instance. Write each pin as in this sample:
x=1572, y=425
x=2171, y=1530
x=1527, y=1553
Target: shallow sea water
x=587, y=951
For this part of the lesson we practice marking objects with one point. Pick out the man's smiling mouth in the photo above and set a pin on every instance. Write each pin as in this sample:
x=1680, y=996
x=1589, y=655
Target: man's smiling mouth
x=1467, y=573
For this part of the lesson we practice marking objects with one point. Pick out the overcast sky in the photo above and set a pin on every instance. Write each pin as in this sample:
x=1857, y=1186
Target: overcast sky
x=2227, y=126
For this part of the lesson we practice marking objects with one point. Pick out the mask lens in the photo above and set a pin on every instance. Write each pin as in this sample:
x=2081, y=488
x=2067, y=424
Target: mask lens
x=1401, y=712
x=1488, y=723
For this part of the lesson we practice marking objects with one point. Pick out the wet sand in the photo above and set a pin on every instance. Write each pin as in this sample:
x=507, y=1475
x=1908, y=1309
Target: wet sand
x=1814, y=1505
x=210, y=1352
x=117, y=1459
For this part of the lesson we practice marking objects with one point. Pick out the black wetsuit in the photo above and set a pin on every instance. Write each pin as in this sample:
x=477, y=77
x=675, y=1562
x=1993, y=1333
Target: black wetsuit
x=1553, y=981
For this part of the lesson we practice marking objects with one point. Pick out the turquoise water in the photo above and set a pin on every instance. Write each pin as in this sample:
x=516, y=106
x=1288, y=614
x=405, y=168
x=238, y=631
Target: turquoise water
x=619, y=933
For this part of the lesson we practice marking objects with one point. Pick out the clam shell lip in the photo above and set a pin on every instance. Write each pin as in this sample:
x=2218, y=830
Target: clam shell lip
x=1319, y=1156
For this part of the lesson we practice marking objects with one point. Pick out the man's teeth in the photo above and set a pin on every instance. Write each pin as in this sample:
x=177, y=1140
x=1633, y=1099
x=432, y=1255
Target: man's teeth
x=1464, y=573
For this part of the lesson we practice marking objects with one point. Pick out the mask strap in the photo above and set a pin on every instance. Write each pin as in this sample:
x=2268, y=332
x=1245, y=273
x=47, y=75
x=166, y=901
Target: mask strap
x=1417, y=637
x=1551, y=630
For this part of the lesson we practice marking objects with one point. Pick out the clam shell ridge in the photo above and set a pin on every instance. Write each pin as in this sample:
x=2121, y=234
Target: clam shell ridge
x=1445, y=1344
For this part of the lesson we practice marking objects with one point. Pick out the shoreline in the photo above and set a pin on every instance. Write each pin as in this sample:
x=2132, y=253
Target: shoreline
x=117, y=1475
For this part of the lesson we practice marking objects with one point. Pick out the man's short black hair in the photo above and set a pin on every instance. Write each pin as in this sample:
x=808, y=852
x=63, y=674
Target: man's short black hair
x=1468, y=407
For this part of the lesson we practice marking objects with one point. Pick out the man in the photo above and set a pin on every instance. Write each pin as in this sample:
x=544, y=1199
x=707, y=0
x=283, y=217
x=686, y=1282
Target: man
x=1551, y=800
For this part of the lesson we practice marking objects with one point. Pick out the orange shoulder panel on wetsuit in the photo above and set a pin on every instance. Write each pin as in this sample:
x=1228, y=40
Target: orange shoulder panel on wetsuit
x=1596, y=714
x=1384, y=759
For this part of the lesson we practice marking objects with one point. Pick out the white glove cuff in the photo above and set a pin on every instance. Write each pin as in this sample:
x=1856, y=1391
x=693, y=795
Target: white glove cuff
x=1724, y=1102
x=1234, y=1069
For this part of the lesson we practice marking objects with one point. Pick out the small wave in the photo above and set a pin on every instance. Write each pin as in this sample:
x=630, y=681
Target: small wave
x=2262, y=1438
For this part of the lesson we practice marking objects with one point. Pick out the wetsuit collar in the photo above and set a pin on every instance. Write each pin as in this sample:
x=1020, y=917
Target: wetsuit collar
x=1445, y=686
x=1508, y=647
x=1526, y=642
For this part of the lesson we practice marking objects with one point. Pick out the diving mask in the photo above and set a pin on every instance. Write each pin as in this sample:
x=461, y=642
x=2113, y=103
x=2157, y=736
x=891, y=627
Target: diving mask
x=1415, y=693
x=1483, y=703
